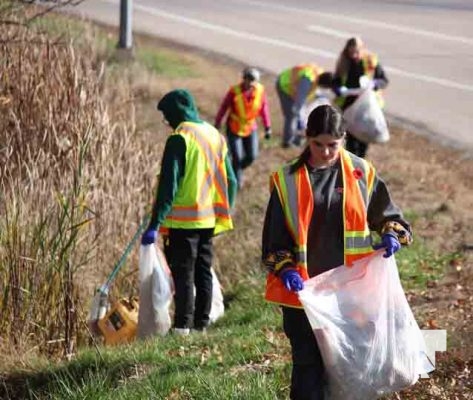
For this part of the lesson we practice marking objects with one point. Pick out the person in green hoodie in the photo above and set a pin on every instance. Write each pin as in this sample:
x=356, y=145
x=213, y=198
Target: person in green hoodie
x=196, y=192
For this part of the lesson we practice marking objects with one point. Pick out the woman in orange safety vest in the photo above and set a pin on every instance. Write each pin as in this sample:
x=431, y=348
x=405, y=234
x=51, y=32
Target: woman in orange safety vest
x=244, y=102
x=322, y=208
x=353, y=63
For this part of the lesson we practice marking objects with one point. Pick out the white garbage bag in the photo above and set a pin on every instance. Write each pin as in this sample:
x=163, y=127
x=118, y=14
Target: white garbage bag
x=368, y=338
x=98, y=308
x=156, y=290
x=365, y=119
x=218, y=308
x=308, y=107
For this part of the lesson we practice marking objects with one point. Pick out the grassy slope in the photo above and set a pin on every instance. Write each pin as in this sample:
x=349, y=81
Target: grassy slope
x=245, y=354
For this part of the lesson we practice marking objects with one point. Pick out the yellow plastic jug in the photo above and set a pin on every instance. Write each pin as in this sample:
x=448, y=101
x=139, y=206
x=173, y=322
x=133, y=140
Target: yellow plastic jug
x=119, y=325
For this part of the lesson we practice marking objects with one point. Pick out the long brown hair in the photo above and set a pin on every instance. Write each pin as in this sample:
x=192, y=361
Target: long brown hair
x=324, y=119
x=341, y=68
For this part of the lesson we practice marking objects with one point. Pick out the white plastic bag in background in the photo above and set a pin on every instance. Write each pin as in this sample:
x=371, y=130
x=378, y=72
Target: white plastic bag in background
x=156, y=288
x=365, y=119
x=368, y=338
x=218, y=308
x=308, y=107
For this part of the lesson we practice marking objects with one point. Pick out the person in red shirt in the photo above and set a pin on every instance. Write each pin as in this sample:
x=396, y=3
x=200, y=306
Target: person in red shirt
x=244, y=102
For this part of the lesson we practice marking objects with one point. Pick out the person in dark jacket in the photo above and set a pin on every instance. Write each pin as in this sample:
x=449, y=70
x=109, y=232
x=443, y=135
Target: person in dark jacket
x=319, y=203
x=196, y=191
x=356, y=62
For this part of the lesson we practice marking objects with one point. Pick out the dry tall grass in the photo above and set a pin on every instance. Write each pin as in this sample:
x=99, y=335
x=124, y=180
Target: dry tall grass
x=74, y=176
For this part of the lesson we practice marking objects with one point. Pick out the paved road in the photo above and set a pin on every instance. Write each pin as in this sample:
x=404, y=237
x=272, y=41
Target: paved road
x=426, y=46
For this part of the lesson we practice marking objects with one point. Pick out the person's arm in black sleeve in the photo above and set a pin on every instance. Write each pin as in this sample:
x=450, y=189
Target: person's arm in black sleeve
x=277, y=242
x=172, y=171
x=336, y=84
x=380, y=79
x=384, y=216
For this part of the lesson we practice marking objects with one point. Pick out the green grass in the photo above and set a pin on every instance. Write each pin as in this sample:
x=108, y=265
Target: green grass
x=158, y=61
x=165, y=63
x=419, y=266
x=243, y=356
x=59, y=26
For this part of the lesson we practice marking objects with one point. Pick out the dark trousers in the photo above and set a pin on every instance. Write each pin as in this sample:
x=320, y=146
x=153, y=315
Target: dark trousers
x=243, y=151
x=189, y=253
x=292, y=124
x=356, y=146
x=308, y=372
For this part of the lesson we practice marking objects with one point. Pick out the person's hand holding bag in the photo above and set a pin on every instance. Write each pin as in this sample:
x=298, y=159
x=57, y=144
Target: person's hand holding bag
x=390, y=242
x=149, y=237
x=292, y=280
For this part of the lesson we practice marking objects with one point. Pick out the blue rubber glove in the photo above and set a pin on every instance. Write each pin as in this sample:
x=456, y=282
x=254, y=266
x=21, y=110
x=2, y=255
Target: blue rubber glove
x=292, y=280
x=389, y=242
x=149, y=237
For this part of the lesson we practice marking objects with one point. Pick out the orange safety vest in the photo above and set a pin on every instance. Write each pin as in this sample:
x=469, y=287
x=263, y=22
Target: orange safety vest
x=296, y=197
x=244, y=111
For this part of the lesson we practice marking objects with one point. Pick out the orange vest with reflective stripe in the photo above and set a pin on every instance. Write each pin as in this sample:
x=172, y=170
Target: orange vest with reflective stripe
x=244, y=111
x=296, y=197
x=202, y=200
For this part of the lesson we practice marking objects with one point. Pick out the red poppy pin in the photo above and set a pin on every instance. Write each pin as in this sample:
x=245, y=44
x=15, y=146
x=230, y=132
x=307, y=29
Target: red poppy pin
x=358, y=173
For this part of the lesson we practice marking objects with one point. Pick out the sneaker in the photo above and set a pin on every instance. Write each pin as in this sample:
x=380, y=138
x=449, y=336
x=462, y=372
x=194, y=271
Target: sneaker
x=286, y=145
x=201, y=331
x=181, y=331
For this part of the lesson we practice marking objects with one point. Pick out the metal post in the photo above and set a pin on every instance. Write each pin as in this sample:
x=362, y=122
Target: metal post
x=126, y=39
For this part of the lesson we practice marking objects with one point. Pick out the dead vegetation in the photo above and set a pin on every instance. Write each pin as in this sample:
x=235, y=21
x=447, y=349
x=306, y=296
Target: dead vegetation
x=80, y=145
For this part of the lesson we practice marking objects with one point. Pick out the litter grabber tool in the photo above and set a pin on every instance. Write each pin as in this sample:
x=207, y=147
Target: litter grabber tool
x=116, y=322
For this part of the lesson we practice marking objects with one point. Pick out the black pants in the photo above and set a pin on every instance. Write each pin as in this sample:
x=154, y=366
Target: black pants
x=189, y=253
x=356, y=146
x=308, y=372
x=243, y=150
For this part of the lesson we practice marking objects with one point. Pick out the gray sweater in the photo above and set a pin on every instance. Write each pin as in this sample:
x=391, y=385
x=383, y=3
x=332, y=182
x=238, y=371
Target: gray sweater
x=325, y=236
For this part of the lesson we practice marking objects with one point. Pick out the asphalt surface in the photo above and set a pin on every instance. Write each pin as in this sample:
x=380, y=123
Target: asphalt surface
x=425, y=46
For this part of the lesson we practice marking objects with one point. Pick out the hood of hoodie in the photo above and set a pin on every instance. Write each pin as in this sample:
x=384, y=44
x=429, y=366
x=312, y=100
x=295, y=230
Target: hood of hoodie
x=178, y=106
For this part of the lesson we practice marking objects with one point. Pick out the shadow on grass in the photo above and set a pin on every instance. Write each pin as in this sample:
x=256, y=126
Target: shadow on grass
x=84, y=375
x=37, y=385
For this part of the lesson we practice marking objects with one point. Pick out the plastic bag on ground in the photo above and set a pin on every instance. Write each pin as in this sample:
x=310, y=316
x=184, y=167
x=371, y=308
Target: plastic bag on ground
x=365, y=119
x=98, y=309
x=369, y=340
x=218, y=308
x=156, y=291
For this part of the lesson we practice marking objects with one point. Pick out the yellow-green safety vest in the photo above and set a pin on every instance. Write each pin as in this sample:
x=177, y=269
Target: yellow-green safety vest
x=202, y=200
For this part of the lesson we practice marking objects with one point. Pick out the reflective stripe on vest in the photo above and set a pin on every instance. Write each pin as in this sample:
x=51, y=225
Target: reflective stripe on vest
x=309, y=71
x=296, y=197
x=244, y=111
x=202, y=197
x=290, y=78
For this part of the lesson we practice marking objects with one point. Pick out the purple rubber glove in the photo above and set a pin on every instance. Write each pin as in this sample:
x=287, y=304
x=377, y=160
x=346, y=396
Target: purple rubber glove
x=389, y=242
x=149, y=237
x=292, y=280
